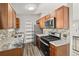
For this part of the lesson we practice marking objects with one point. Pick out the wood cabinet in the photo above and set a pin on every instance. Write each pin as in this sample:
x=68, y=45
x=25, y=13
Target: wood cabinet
x=62, y=17
x=47, y=17
x=52, y=50
x=10, y=20
x=62, y=50
x=12, y=52
x=14, y=19
x=17, y=23
x=38, y=41
x=41, y=21
x=6, y=16
x=37, y=22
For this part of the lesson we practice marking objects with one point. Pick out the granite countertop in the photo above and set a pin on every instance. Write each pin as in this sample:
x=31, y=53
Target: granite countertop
x=10, y=45
x=41, y=35
x=60, y=42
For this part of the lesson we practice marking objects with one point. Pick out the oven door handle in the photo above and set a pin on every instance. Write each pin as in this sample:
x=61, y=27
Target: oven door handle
x=44, y=42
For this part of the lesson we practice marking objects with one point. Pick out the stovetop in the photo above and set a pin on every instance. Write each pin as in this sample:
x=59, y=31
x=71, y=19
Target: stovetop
x=50, y=38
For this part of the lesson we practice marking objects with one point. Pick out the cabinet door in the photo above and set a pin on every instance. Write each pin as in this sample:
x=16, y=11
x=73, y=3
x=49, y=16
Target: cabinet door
x=20, y=51
x=12, y=52
x=42, y=22
x=38, y=23
x=56, y=50
x=47, y=17
x=3, y=15
x=17, y=23
x=10, y=21
x=59, y=18
x=14, y=19
x=37, y=41
x=66, y=17
x=1, y=22
x=62, y=17
x=65, y=50
x=52, y=50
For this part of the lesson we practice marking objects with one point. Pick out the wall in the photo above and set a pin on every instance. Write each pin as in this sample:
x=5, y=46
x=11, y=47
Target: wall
x=47, y=8
x=76, y=11
x=25, y=18
x=74, y=23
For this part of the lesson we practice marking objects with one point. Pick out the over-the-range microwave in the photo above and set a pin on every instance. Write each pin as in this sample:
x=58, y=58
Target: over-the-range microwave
x=50, y=23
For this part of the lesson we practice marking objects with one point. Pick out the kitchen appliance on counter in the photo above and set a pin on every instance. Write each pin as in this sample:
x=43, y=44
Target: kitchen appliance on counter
x=50, y=23
x=19, y=36
x=56, y=34
x=18, y=41
x=44, y=43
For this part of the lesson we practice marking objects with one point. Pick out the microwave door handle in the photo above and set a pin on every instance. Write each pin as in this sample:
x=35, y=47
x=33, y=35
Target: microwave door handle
x=50, y=22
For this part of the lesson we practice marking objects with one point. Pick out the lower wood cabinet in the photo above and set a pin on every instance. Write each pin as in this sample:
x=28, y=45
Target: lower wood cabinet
x=38, y=41
x=62, y=50
x=12, y=52
x=52, y=50
x=41, y=22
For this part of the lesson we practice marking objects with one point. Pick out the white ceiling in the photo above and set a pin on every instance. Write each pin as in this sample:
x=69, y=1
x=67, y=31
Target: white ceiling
x=41, y=7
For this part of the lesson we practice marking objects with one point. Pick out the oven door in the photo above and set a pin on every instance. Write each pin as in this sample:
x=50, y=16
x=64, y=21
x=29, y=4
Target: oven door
x=44, y=48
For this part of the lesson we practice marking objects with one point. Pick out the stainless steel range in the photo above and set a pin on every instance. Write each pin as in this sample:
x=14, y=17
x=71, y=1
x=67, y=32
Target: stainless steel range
x=44, y=43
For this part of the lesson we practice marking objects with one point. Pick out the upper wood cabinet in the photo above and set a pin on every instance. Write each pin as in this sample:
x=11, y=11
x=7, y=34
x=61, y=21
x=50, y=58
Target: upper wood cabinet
x=17, y=23
x=47, y=17
x=10, y=20
x=62, y=17
x=14, y=18
x=6, y=16
x=41, y=22
x=37, y=22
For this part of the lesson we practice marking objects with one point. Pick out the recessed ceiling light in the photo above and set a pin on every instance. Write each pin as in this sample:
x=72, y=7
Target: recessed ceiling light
x=31, y=8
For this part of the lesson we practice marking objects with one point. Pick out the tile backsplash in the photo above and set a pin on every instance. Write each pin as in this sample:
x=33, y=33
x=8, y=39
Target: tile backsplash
x=64, y=32
x=6, y=36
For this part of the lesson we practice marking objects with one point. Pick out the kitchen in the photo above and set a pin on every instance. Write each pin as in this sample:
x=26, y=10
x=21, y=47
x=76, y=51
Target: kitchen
x=36, y=29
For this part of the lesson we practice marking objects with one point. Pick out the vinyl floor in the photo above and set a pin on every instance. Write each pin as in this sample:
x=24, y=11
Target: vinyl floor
x=31, y=50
